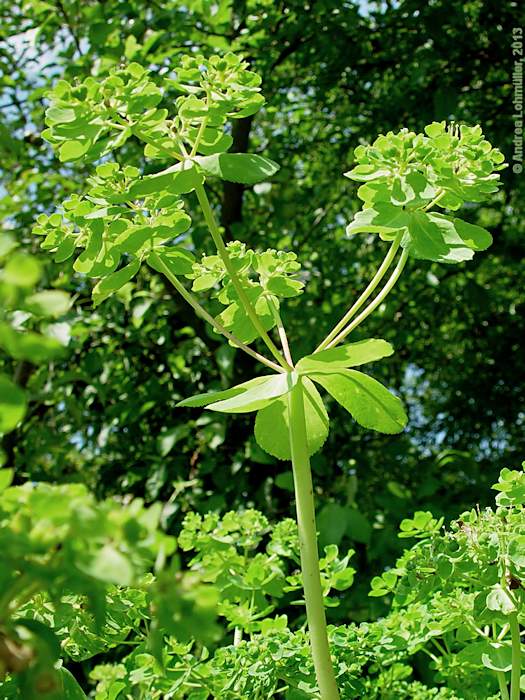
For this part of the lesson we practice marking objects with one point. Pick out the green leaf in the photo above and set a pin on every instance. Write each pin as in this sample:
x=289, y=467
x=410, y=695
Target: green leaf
x=358, y=527
x=260, y=388
x=44, y=634
x=350, y=355
x=246, y=168
x=6, y=477
x=272, y=430
x=283, y=286
x=516, y=552
x=167, y=440
x=256, y=395
x=100, y=258
x=12, y=404
x=364, y=173
x=73, y=150
x=201, y=400
x=27, y=345
x=50, y=302
x=178, y=260
x=435, y=129
x=474, y=236
x=181, y=178
x=497, y=656
x=71, y=688
x=422, y=525
x=383, y=218
x=109, y=565
x=113, y=282
x=235, y=318
x=22, y=271
x=368, y=401
x=217, y=146
x=7, y=244
x=331, y=524
x=512, y=485
x=499, y=600
x=65, y=249
x=60, y=115
x=444, y=239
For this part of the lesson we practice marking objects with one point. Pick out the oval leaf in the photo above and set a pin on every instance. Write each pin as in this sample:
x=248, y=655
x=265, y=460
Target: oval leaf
x=248, y=396
x=12, y=404
x=246, y=168
x=383, y=217
x=344, y=356
x=112, y=283
x=368, y=401
x=177, y=179
x=255, y=397
x=178, y=260
x=272, y=430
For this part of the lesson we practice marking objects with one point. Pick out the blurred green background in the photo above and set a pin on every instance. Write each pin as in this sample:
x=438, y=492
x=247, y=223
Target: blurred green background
x=335, y=74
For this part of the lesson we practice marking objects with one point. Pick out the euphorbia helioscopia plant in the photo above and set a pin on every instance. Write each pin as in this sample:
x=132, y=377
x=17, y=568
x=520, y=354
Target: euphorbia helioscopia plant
x=126, y=218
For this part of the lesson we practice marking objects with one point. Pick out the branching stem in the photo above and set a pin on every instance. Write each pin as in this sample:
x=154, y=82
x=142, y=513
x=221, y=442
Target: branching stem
x=376, y=279
x=167, y=152
x=281, y=330
x=200, y=311
x=223, y=252
x=375, y=303
x=441, y=193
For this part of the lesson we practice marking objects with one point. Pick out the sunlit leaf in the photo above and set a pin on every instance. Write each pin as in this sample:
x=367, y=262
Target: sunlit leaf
x=113, y=282
x=272, y=426
x=350, y=355
x=248, y=396
x=368, y=401
x=12, y=404
x=247, y=168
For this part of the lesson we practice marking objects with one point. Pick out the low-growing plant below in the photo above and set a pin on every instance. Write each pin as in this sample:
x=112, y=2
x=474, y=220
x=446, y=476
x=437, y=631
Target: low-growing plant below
x=455, y=599
x=412, y=185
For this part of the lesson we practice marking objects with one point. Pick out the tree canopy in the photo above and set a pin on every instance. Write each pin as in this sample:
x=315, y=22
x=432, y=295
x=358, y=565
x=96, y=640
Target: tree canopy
x=335, y=74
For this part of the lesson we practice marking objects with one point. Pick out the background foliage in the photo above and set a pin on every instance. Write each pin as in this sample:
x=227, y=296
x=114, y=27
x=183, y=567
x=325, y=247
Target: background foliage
x=102, y=410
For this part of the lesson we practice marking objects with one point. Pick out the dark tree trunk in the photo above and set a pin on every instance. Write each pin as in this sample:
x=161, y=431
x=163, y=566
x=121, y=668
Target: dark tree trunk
x=232, y=192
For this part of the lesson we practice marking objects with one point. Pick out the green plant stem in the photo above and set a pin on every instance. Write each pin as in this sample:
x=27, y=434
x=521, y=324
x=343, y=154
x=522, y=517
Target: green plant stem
x=190, y=299
x=376, y=302
x=441, y=193
x=515, y=673
x=223, y=252
x=281, y=330
x=202, y=127
x=502, y=682
x=376, y=279
x=144, y=137
x=313, y=593
x=199, y=136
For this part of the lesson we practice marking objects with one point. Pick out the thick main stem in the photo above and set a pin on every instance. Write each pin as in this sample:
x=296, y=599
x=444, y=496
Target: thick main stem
x=223, y=252
x=515, y=673
x=313, y=593
x=376, y=279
